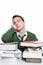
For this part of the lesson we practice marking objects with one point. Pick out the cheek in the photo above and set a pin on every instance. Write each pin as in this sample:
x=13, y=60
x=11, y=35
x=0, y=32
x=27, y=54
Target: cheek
x=21, y=24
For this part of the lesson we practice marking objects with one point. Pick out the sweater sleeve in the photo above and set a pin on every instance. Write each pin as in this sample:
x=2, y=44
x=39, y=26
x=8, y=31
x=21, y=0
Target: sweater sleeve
x=8, y=35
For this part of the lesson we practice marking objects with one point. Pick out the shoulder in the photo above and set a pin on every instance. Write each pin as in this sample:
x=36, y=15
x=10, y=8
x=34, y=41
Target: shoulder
x=31, y=35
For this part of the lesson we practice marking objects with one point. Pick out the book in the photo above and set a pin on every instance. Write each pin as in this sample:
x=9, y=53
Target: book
x=34, y=49
x=8, y=46
x=34, y=60
x=5, y=55
x=15, y=53
x=32, y=44
x=35, y=54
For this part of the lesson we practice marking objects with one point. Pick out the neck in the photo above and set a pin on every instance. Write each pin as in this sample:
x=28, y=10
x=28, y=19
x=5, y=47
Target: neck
x=22, y=31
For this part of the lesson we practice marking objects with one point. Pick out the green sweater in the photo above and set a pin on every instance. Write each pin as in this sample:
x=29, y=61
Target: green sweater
x=11, y=36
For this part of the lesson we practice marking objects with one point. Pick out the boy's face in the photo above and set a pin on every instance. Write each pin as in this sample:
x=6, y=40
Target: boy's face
x=18, y=23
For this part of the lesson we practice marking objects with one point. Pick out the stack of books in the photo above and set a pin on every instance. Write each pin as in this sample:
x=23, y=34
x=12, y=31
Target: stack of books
x=33, y=51
x=11, y=54
x=33, y=56
x=9, y=50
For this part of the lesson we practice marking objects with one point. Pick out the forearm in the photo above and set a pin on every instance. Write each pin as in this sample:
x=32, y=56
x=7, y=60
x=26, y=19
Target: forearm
x=8, y=35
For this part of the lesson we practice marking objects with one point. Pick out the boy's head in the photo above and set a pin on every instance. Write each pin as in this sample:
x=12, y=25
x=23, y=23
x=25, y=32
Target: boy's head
x=18, y=22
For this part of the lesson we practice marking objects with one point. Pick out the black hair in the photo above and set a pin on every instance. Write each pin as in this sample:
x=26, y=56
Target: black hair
x=18, y=16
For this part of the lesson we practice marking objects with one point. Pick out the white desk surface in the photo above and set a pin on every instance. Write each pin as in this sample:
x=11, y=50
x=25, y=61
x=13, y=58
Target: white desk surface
x=15, y=61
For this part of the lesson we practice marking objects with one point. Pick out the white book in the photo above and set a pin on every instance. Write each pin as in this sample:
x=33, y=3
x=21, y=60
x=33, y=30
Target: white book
x=37, y=54
x=4, y=55
x=8, y=46
x=17, y=53
x=13, y=52
x=32, y=44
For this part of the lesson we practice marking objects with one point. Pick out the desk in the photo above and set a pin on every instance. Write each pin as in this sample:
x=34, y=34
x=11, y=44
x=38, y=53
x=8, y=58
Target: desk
x=15, y=61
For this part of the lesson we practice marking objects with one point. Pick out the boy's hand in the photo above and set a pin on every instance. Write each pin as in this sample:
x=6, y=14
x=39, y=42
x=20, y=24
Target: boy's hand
x=13, y=26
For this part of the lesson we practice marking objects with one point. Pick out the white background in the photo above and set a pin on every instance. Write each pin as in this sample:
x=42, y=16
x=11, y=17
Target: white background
x=30, y=10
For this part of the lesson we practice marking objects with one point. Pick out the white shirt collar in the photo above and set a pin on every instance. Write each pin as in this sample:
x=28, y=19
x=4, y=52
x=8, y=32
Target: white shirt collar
x=21, y=35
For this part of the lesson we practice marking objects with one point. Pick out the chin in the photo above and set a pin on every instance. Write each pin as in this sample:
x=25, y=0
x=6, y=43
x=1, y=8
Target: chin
x=18, y=30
